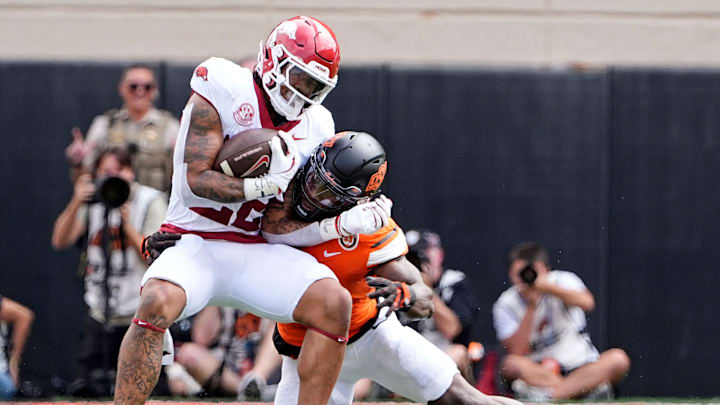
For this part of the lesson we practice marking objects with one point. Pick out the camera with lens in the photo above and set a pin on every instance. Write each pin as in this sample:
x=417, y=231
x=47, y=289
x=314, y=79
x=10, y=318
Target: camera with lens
x=111, y=191
x=528, y=274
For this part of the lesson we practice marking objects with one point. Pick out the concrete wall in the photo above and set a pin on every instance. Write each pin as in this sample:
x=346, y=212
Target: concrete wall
x=488, y=32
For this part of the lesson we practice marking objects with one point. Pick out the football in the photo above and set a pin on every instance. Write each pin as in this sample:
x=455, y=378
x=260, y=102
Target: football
x=247, y=154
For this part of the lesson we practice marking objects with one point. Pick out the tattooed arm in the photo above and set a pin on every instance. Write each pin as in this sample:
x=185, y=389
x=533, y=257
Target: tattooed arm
x=280, y=225
x=204, y=140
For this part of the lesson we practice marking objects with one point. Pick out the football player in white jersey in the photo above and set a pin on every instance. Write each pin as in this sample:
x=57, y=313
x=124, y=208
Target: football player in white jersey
x=221, y=259
x=349, y=169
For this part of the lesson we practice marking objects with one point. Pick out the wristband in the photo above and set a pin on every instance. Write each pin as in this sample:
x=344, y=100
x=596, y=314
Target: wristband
x=408, y=298
x=257, y=187
x=330, y=228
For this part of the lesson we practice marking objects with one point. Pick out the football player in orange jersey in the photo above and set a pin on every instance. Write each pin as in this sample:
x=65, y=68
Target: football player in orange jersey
x=340, y=174
x=380, y=280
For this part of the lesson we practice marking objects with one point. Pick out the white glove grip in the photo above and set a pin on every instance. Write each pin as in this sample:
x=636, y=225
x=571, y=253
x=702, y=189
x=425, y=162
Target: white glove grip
x=330, y=228
x=257, y=187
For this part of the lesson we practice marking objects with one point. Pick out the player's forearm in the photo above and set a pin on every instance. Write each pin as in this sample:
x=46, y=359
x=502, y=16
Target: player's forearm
x=216, y=186
x=294, y=233
x=280, y=226
x=445, y=318
x=582, y=299
x=204, y=140
x=423, y=307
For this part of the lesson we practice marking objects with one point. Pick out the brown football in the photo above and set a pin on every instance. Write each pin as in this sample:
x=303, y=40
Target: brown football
x=247, y=154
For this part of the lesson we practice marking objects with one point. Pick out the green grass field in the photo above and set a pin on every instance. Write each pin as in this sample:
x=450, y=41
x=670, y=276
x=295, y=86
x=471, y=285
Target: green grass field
x=625, y=401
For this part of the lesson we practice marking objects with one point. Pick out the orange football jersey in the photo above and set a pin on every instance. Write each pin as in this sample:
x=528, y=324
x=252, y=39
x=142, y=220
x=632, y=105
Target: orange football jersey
x=351, y=259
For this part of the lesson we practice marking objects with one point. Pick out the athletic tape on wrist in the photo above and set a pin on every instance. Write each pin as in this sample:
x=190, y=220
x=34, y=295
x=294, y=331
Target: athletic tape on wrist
x=330, y=228
x=257, y=187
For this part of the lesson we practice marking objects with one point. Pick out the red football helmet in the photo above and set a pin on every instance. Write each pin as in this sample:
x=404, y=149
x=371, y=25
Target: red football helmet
x=302, y=55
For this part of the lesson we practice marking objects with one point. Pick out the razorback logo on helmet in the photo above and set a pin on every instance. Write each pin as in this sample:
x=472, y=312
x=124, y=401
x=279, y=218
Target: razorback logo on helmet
x=244, y=114
x=377, y=179
x=331, y=141
x=201, y=71
x=288, y=28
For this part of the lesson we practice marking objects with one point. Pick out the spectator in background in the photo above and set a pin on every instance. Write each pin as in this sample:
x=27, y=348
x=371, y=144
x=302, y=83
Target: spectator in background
x=142, y=214
x=20, y=319
x=451, y=323
x=147, y=133
x=541, y=322
x=254, y=384
x=220, y=353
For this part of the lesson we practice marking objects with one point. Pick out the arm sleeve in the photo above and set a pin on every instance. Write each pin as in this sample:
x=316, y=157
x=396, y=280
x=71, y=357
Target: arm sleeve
x=303, y=237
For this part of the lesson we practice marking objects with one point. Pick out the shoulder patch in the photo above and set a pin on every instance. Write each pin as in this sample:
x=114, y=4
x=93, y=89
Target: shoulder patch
x=349, y=242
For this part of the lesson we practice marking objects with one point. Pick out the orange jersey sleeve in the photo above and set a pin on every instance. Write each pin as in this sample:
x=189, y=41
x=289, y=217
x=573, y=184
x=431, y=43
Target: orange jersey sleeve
x=350, y=259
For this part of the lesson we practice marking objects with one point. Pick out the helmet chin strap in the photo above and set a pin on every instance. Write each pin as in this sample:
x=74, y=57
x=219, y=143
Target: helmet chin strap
x=283, y=107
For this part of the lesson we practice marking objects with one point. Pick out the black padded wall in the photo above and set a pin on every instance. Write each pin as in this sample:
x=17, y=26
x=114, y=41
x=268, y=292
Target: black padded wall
x=616, y=172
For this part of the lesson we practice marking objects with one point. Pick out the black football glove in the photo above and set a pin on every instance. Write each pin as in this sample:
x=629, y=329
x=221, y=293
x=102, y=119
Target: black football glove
x=154, y=244
x=397, y=295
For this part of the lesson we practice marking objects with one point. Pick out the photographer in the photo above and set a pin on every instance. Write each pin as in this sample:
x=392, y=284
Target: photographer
x=109, y=213
x=450, y=327
x=541, y=322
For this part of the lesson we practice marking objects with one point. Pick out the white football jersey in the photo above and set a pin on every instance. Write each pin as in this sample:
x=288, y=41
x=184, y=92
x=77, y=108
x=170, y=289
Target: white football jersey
x=558, y=331
x=239, y=101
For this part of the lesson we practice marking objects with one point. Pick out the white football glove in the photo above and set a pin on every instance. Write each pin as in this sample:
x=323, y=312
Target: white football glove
x=281, y=171
x=366, y=218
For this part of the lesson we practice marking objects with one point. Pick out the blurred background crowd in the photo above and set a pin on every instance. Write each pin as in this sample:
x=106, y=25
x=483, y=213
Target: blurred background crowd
x=590, y=128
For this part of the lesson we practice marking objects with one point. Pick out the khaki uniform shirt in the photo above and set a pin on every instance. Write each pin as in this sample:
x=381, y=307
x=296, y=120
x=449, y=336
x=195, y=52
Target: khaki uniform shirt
x=150, y=142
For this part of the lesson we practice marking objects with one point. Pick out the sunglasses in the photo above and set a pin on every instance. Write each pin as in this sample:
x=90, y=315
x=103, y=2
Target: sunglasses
x=146, y=86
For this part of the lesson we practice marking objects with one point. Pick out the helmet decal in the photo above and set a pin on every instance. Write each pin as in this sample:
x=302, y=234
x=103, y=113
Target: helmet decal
x=288, y=28
x=377, y=179
x=331, y=141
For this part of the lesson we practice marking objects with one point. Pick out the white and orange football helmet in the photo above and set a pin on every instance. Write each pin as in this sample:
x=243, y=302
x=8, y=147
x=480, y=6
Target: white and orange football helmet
x=302, y=55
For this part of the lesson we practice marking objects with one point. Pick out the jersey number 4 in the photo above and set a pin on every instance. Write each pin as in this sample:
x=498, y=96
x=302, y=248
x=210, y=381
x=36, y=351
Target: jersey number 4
x=224, y=214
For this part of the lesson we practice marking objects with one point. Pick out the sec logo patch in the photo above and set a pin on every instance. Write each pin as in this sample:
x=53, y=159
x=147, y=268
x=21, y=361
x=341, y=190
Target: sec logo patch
x=244, y=114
